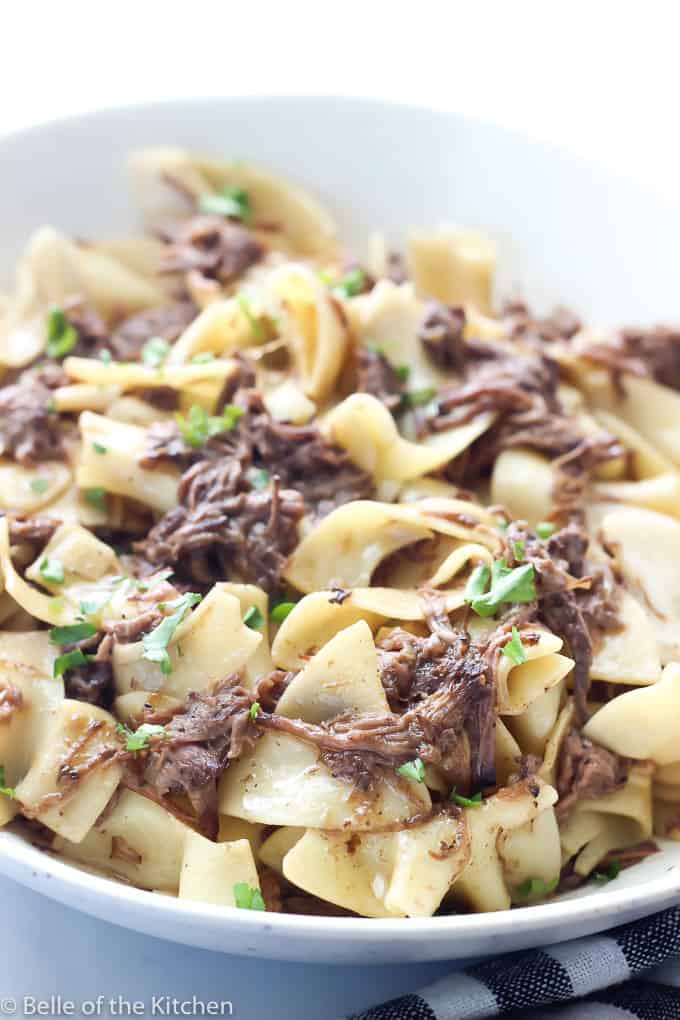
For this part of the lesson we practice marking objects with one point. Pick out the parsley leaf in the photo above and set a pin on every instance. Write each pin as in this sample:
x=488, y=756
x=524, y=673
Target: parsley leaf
x=281, y=611
x=351, y=284
x=544, y=529
x=91, y=606
x=105, y=356
x=138, y=740
x=609, y=874
x=96, y=496
x=253, y=618
x=61, y=335
x=204, y=358
x=474, y=801
x=98, y=448
x=51, y=570
x=256, y=327
x=418, y=398
x=71, y=633
x=514, y=649
x=231, y=202
x=67, y=661
x=507, y=585
x=258, y=477
x=155, y=643
x=402, y=372
x=518, y=550
x=412, y=770
x=477, y=582
x=39, y=485
x=254, y=709
x=537, y=886
x=8, y=791
x=155, y=351
x=247, y=898
x=502, y=523
x=198, y=425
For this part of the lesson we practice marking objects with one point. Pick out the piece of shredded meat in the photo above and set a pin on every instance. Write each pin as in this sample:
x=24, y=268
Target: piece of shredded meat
x=586, y=770
x=651, y=352
x=29, y=429
x=377, y=376
x=166, y=321
x=92, y=681
x=34, y=530
x=213, y=246
x=441, y=334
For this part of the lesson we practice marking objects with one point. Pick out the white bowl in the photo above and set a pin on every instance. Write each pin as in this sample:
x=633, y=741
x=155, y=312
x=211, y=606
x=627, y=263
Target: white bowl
x=568, y=231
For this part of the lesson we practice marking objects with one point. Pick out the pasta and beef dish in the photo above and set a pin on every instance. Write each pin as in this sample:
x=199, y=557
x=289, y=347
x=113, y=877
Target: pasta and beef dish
x=330, y=585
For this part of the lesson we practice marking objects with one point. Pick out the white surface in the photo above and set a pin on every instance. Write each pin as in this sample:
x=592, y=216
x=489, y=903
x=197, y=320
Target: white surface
x=595, y=78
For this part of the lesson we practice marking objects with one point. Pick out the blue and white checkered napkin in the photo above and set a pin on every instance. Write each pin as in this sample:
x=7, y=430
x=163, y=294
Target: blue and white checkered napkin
x=629, y=972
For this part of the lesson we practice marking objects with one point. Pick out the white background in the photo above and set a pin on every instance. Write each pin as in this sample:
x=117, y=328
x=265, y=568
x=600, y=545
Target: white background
x=600, y=78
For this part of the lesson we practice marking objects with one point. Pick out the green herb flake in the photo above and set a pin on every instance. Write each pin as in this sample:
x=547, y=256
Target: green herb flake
x=518, y=550
x=155, y=351
x=474, y=801
x=502, y=523
x=544, y=529
x=155, y=644
x=514, y=649
x=138, y=740
x=204, y=358
x=61, y=335
x=507, y=585
x=258, y=478
x=199, y=426
x=94, y=605
x=72, y=633
x=351, y=284
x=611, y=872
x=418, y=398
x=254, y=709
x=39, y=485
x=96, y=496
x=51, y=406
x=105, y=356
x=402, y=372
x=253, y=618
x=414, y=770
x=8, y=791
x=51, y=570
x=67, y=661
x=281, y=611
x=537, y=887
x=477, y=582
x=247, y=898
x=98, y=448
x=231, y=202
x=256, y=327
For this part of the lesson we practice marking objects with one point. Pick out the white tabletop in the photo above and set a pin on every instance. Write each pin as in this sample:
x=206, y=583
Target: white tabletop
x=595, y=78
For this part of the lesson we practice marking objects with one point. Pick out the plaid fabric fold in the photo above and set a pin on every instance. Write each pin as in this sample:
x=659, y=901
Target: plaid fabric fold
x=629, y=972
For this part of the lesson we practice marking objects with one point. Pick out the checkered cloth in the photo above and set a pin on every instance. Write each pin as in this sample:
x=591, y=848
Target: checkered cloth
x=630, y=972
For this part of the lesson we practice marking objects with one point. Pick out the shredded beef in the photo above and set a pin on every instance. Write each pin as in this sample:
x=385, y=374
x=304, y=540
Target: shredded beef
x=397, y=270
x=166, y=321
x=34, y=530
x=441, y=334
x=586, y=770
x=93, y=681
x=93, y=334
x=560, y=324
x=376, y=375
x=651, y=352
x=11, y=700
x=199, y=742
x=29, y=430
x=213, y=246
x=271, y=687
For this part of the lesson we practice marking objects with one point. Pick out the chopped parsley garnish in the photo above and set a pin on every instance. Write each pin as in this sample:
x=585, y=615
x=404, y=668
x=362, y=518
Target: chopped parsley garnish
x=68, y=660
x=412, y=770
x=155, y=351
x=537, y=886
x=418, y=398
x=39, y=485
x=253, y=618
x=72, y=633
x=8, y=791
x=402, y=372
x=611, y=872
x=281, y=611
x=98, y=448
x=506, y=585
x=247, y=898
x=254, y=709
x=138, y=740
x=471, y=802
x=544, y=529
x=51, y=406
x=258, y=477
x=155, y=644
x=514, y=649
x=518, y=550
x=51, y=570
x=231, y=202
x=96, y=496
x=256, y=326
x=93, y=605
x=204, y=358
x=105, y=356
x=351, y=284
x=198, y=425
x=502, y=523
x=61, y=335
